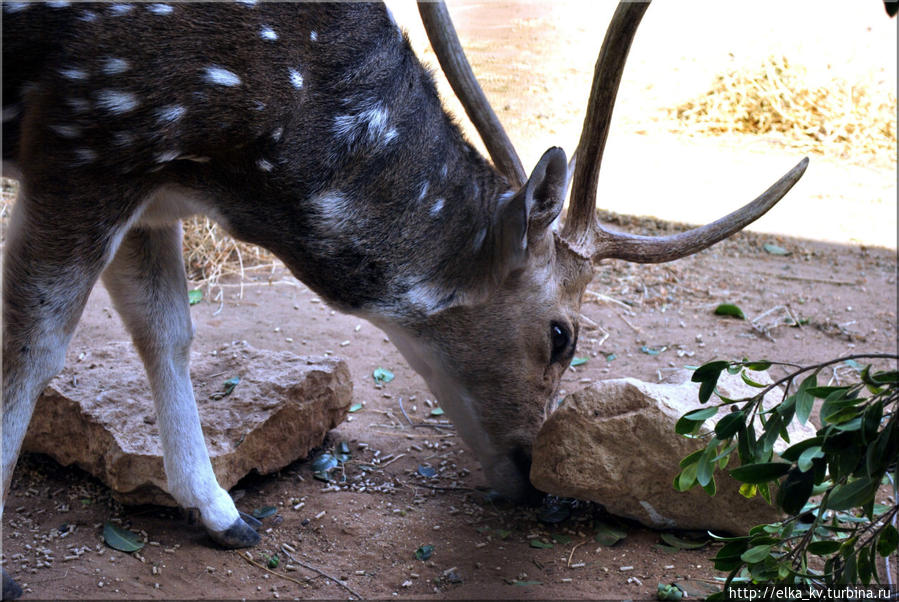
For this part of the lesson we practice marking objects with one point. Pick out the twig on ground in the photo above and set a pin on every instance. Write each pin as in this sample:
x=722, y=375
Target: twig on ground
x=403, y=410
x=342, y=584
x=817, y=280
x=576, y=546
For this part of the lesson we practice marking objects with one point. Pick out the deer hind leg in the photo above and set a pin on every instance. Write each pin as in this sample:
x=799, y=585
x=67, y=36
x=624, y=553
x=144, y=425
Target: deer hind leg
x=148, y=286
x=48, y=273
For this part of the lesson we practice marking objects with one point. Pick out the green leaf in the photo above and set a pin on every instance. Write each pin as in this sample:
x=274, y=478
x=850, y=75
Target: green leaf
x=805, y=401
x=437, y=412
x=682, y=544
x=823, y=547
x=756, y=554
x=706, y=389
x=273, y=561
x=579, y=361
x=757, y=474
x=524, y=583
x=729, y=309
x=264, y=512
x=887, y=541
x=751, y=382
x=852, y=494
x=536, y=543
x=608, y=535
x=230, y=384
x=728, y=426
x=121, y=539
x=355, y=407
x=701, y=415
x=805, y=458
x=669, y=591
x=194, y=296
x=709, y=371
x=773, y=249
x=758, y=366
x=792, y=453
x=424, y=552
x=795, y=491
x=382, y=375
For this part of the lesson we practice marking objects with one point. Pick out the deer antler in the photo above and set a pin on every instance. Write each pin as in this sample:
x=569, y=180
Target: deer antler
x=445, y=42
x=582, y=230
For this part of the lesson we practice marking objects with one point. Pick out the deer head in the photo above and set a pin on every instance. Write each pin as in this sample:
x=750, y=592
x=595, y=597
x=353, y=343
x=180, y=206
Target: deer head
x=530, y=319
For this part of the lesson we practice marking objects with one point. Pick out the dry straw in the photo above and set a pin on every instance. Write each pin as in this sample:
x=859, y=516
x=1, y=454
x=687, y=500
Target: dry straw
x=855, y=121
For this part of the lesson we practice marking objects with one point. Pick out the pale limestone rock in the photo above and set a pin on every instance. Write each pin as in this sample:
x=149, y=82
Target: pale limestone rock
x=98, y=414
x=614, y=443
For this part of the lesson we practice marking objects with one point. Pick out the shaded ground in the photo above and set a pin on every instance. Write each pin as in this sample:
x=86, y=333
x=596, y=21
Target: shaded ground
x=369, y=537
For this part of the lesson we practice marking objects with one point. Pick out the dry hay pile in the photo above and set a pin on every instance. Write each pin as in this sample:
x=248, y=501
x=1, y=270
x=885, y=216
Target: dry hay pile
x=850, y=120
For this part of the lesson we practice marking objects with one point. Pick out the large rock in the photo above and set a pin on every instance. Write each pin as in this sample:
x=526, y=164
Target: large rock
x=614, y=443
x=98, y=414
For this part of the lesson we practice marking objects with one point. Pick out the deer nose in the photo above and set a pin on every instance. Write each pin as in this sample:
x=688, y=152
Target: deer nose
x=528, y=494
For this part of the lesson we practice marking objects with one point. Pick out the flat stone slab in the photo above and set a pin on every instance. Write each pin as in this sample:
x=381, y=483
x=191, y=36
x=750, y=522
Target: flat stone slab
x=98, y=414
x=614, y=443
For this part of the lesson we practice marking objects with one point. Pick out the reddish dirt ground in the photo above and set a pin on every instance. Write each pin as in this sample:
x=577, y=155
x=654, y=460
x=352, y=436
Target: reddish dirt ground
x=369, y=538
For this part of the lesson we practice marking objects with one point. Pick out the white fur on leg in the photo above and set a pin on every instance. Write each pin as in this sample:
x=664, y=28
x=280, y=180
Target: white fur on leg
x=149, y=289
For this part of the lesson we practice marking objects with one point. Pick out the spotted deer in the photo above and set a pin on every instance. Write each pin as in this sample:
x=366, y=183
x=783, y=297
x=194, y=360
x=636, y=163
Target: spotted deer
x=311, y=130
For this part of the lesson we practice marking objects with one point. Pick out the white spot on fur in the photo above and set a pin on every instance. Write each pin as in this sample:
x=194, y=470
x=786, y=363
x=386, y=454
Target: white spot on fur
x=369, y=125
x=437, y=207
x=78, y=105
x=73, y=73
x=195, y=158
x=247, y=2
x=114, y=66
x=313, y=36
x=117, y=101
x=170, y=113
x=166, y=156
x=59, y=4
x=67, y=131
x=88, y=16
x=334, y=211
x=264, y=165
x=14, y=7
x=160, y=9
x=10, y=112
x=267, y=33
x=424, y=191
x=296, y=78
x=276, y=135
x=443, y=171
x=117, y=10
x=221, y=76
x=478, y=241
x=85, y=155
x=123, y=139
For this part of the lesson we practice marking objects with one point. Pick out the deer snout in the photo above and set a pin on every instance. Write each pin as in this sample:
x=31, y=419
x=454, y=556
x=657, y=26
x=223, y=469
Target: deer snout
x=509, y=475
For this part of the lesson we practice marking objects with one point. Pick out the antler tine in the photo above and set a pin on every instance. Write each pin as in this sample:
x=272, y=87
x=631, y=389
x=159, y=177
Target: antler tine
x=445, y=42
x=656, y=249
x=582, y=230
x=606, y=76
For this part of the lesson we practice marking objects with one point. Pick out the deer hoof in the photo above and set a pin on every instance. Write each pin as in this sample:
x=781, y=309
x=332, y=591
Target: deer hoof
x=238, y=535
x=11, y=589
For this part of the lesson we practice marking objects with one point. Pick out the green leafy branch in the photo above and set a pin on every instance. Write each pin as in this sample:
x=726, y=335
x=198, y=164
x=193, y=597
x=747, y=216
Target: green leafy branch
x=834, y=532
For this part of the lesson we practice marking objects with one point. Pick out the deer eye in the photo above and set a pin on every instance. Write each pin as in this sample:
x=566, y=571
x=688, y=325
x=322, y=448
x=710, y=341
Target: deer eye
x=561, y=340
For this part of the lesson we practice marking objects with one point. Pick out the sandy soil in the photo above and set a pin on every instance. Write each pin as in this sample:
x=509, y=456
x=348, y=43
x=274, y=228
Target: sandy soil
x=368, y=539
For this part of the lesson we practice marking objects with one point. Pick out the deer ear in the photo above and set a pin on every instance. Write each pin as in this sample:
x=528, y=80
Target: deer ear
x=529, y=212
x=545, y=190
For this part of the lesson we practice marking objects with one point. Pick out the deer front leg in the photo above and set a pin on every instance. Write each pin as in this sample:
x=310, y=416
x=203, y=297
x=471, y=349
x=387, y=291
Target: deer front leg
x=148, y=286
